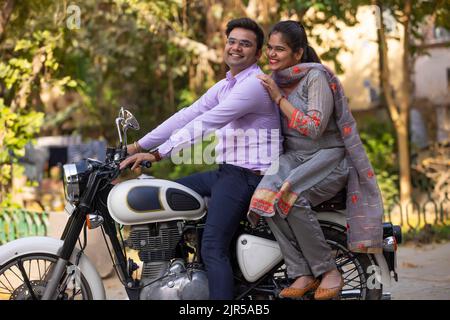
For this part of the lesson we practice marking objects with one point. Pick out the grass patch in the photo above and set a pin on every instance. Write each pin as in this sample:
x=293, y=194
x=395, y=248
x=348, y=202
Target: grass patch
x=428, y=234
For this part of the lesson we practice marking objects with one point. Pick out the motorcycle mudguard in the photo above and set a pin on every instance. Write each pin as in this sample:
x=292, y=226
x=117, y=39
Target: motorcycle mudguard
x=49, y=245
x=256, y=256
x=339, y=218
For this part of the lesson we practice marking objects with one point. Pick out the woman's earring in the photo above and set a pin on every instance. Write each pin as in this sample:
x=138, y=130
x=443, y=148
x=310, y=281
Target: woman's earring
x=302, y=52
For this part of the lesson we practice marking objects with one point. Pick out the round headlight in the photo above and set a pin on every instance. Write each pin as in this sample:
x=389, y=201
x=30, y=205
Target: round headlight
x=71, y=183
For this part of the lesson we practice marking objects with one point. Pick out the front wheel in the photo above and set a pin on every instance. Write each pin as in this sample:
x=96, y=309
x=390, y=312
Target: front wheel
x=25, y=278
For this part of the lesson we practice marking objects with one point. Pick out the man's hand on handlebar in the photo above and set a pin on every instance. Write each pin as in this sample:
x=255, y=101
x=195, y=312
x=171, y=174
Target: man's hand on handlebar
x=131, y=149
x=134, y=148
x=136, y=160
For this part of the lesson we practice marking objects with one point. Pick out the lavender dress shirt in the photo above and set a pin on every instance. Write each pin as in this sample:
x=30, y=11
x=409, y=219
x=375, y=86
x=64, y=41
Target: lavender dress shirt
x=239, y=111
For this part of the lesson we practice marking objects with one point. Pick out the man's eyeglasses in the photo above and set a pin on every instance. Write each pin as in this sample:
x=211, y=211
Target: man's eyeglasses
x=241, y=43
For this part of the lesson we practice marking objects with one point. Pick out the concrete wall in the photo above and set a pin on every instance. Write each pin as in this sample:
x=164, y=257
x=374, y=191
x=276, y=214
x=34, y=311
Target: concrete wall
x=360, y=62
x=430, y=76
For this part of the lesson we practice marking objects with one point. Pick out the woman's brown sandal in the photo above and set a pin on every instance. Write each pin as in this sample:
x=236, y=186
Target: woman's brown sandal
x=328, y=293
x=299, y=292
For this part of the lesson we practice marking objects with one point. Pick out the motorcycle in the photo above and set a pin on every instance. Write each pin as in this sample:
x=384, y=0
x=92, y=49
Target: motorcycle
x=165, y=221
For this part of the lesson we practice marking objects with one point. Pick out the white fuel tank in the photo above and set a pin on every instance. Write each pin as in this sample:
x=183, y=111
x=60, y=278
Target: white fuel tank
x=148, y=200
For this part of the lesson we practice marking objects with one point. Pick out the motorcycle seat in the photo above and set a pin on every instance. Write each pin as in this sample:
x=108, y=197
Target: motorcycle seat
x=335, y=203
x=338, y=202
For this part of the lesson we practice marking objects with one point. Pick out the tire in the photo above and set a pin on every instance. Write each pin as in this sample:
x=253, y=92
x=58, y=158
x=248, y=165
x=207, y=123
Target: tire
x=361, y=264
x=355, y=267
x=35, y=267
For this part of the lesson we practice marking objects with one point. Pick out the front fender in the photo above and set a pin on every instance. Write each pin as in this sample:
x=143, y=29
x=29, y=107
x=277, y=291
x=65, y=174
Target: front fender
x=49, y=245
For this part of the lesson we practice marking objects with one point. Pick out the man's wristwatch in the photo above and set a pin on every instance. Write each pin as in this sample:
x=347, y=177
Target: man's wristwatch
x=156, y=154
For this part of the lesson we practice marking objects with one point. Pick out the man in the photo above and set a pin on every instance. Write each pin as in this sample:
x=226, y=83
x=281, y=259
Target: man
x=237, y=102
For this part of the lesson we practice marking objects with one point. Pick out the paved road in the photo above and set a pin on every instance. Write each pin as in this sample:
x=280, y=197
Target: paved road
x=424, y=274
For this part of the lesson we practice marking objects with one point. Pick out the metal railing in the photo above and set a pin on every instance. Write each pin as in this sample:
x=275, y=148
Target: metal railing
x=18, y=223
x=416, y=215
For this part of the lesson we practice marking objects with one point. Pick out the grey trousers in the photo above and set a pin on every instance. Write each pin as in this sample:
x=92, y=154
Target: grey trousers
x=299, y=235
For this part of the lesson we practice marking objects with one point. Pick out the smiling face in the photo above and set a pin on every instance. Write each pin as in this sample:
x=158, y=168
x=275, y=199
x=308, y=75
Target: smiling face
x=241, y=50
x=279, y=53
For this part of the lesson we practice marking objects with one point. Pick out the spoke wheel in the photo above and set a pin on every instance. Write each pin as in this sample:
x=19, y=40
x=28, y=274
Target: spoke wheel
x=352, y=271
x=354, y=268
x=25, y=278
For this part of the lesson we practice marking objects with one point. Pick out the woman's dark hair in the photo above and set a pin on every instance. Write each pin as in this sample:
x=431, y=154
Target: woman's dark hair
x=249, y=24
x=294, y=34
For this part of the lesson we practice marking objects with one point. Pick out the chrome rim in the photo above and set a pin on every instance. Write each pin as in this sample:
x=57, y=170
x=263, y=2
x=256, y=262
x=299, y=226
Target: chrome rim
x=352, y=272
x=25, y=278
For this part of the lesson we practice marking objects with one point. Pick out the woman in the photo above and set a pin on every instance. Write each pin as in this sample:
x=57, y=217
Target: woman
x=323, y=155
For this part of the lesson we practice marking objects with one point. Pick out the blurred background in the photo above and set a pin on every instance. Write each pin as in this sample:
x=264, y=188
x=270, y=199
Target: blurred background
x=66, y=68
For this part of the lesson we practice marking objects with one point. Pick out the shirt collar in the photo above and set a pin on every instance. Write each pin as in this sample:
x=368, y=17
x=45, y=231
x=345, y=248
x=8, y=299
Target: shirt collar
x=241, y=75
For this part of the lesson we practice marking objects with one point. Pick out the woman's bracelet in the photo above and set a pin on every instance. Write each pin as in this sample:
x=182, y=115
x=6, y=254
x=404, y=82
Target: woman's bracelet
x=279, y=100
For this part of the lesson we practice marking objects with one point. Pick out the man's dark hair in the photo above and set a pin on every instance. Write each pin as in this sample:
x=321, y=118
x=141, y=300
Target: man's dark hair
x=249, y=24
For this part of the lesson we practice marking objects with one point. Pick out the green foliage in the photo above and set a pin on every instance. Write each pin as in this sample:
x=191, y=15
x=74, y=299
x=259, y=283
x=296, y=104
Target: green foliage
x=16, y=130
x=422, y=12
x=379, y=142
x=428, y=234
x=195, y=162
x=28, y=64
x=326, y=13
x=124, y=54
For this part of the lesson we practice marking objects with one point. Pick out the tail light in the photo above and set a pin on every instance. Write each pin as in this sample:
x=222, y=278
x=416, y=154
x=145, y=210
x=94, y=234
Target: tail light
x=390, y=244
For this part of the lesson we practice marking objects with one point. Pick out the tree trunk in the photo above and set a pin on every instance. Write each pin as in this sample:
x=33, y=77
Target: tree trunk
x=405, y=103
x=398, y=111
x=401, y=128
x=5, y=14
x=171, y=91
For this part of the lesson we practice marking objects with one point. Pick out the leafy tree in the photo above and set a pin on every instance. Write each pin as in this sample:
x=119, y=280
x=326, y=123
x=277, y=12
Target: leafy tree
x=28, y=64
x=153, y=57
x=411, y=16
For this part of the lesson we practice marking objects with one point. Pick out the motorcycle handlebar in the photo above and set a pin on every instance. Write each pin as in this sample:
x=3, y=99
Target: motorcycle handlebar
x=146, y=164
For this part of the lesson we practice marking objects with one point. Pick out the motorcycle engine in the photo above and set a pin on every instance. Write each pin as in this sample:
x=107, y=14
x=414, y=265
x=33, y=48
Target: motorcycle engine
x=157, y=245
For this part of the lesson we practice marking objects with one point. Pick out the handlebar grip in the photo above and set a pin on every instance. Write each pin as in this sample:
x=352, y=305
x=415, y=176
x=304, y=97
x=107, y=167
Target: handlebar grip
x=146, y=164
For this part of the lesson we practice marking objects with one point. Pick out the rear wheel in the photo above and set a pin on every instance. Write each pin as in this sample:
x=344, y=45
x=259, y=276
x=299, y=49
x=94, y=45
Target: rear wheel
x=25, y=278
x=356, y=268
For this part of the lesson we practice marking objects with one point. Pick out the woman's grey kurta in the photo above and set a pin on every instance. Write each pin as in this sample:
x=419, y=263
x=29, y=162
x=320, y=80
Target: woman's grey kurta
x=314, y=149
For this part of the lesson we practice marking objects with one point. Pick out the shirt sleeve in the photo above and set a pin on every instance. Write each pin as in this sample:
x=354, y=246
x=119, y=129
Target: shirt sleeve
x=246, y=97
x=161, y=133
x=320, y=105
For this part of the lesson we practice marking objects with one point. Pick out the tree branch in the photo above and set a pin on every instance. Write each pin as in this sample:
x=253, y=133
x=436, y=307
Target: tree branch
x=198, y=48
x=384, y=70
x=20, y=100
x=5, y=15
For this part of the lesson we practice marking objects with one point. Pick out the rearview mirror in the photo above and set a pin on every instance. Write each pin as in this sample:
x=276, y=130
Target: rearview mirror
x=124, y=121
x=128, y=120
